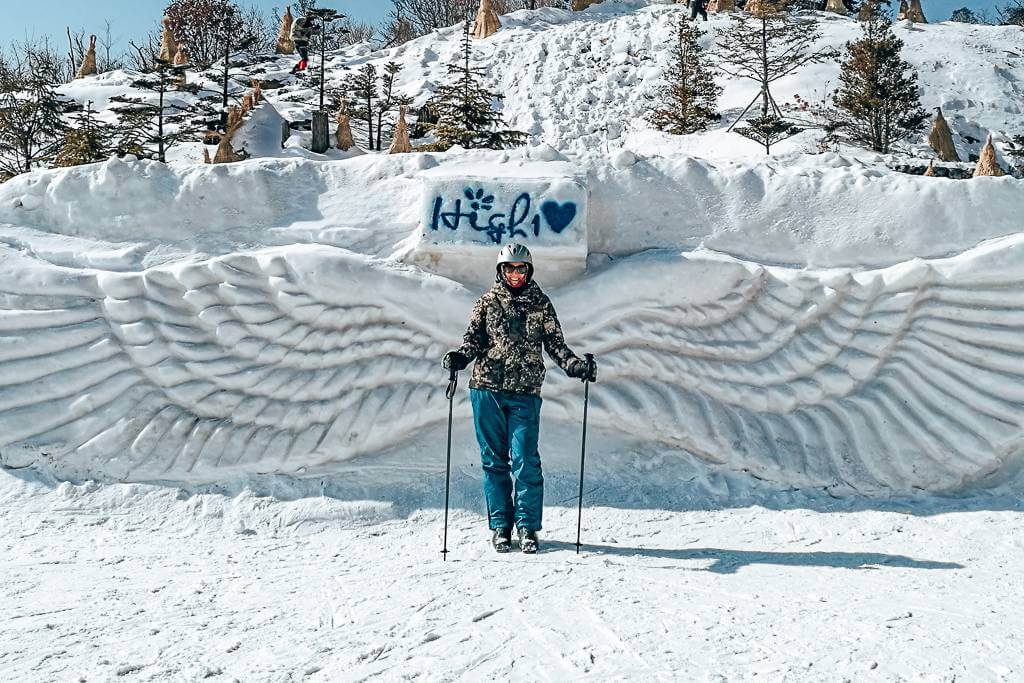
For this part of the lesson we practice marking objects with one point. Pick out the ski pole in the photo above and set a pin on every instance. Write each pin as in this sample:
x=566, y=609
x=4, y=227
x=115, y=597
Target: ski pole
x=453, y=381
x=583, y=448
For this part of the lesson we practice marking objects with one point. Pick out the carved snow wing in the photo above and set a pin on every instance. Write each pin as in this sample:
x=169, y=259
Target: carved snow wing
x=289, y=359
x=273, y=361
x=907, y=377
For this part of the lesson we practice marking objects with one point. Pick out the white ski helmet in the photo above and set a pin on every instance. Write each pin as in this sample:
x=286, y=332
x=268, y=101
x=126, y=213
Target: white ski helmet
x=513, y=252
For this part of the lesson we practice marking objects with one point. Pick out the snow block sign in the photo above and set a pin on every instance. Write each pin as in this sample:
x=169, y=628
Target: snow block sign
x=467, y=217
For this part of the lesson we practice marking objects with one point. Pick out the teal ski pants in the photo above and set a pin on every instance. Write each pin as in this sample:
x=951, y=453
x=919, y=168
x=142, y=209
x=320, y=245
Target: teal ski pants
x=507, y=429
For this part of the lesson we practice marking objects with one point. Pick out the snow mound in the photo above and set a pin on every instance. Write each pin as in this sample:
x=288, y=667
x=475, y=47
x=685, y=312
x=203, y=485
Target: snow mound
x=821, y=210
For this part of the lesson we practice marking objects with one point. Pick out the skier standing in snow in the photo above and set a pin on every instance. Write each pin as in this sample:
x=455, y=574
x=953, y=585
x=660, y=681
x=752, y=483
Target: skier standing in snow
x=303, y=29
x=698, y=7
x=507, y=328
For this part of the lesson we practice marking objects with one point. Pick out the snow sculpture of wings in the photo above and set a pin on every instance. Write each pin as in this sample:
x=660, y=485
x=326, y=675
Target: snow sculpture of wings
x=289, y=359
x=901, y=378
x=272, y=361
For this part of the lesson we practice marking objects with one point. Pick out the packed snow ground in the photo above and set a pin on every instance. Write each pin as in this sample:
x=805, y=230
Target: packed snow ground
x=143, y=583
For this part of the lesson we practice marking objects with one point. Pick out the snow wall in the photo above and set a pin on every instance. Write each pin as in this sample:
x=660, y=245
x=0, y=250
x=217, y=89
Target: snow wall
x=196, y=324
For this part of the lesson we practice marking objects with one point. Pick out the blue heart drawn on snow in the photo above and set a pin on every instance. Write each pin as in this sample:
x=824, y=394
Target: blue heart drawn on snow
x=558, y=216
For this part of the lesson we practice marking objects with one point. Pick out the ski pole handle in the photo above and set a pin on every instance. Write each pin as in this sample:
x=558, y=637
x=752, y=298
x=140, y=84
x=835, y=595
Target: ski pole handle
x=453, y=382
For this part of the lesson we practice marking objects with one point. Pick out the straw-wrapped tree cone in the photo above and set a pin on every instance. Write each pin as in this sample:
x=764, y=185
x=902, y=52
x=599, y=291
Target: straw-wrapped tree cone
x=941, y=138
x=836, y=6
x=987, y=162
x=930, y=171
x=234, y=118
x=911, y=11
x=284, y=45
x=343, y=135
x=487, y=22
x=401, y=144
x=758, y=7
x=88, y=67
x=180, y=60
x=721, y=6
x=225, y=152
x=180, y=55
x=168, y=45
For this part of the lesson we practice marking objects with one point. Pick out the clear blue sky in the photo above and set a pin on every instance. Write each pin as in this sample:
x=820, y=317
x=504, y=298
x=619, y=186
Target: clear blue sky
x=131, y=18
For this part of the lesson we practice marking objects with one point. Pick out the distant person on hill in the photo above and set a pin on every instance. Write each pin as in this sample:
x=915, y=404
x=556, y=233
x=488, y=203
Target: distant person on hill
x=698, y=7
x=303, y=29
x=509, y=325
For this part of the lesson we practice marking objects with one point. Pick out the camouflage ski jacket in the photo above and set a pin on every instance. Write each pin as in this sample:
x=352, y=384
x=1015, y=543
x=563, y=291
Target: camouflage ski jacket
x=505, y=335
x=302, y=30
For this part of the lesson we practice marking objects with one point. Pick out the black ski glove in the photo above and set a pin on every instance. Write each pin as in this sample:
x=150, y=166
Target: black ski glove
x=583, y=369
x=455, y=360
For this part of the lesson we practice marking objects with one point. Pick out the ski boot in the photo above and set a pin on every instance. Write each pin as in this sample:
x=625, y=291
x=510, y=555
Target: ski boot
x=502, y=540
x=527, y=541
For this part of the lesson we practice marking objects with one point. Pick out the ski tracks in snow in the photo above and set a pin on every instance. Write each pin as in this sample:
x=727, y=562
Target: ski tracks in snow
x=150, y=585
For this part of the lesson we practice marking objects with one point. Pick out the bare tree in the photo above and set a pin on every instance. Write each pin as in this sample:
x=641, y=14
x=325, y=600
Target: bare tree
x=763, y=48
x=424, y=16
x=107, y=60
x=260, y=29
x=206, y=26
x=143, y=55
x=76, y=48
x=410, y=19
x=1012, y=13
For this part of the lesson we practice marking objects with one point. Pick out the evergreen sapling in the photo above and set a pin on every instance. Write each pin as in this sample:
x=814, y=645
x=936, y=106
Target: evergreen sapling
x=31, y=123
x=465, y=112
x=877, y=102
x=689, y=103
x=87, y=141
x=148, y=129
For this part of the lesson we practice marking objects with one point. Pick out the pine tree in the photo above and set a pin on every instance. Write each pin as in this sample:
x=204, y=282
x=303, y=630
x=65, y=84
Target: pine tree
x=31, y=123
x=363, y=86
x=389, y=98
x=965, y=15
x=1016, y=150
x=763, y=48
x=148, y=129
x=769, y=130
x=425, y=119
x=87, y=141
x=877, y=103
x=689, y=103
x=464, y=109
